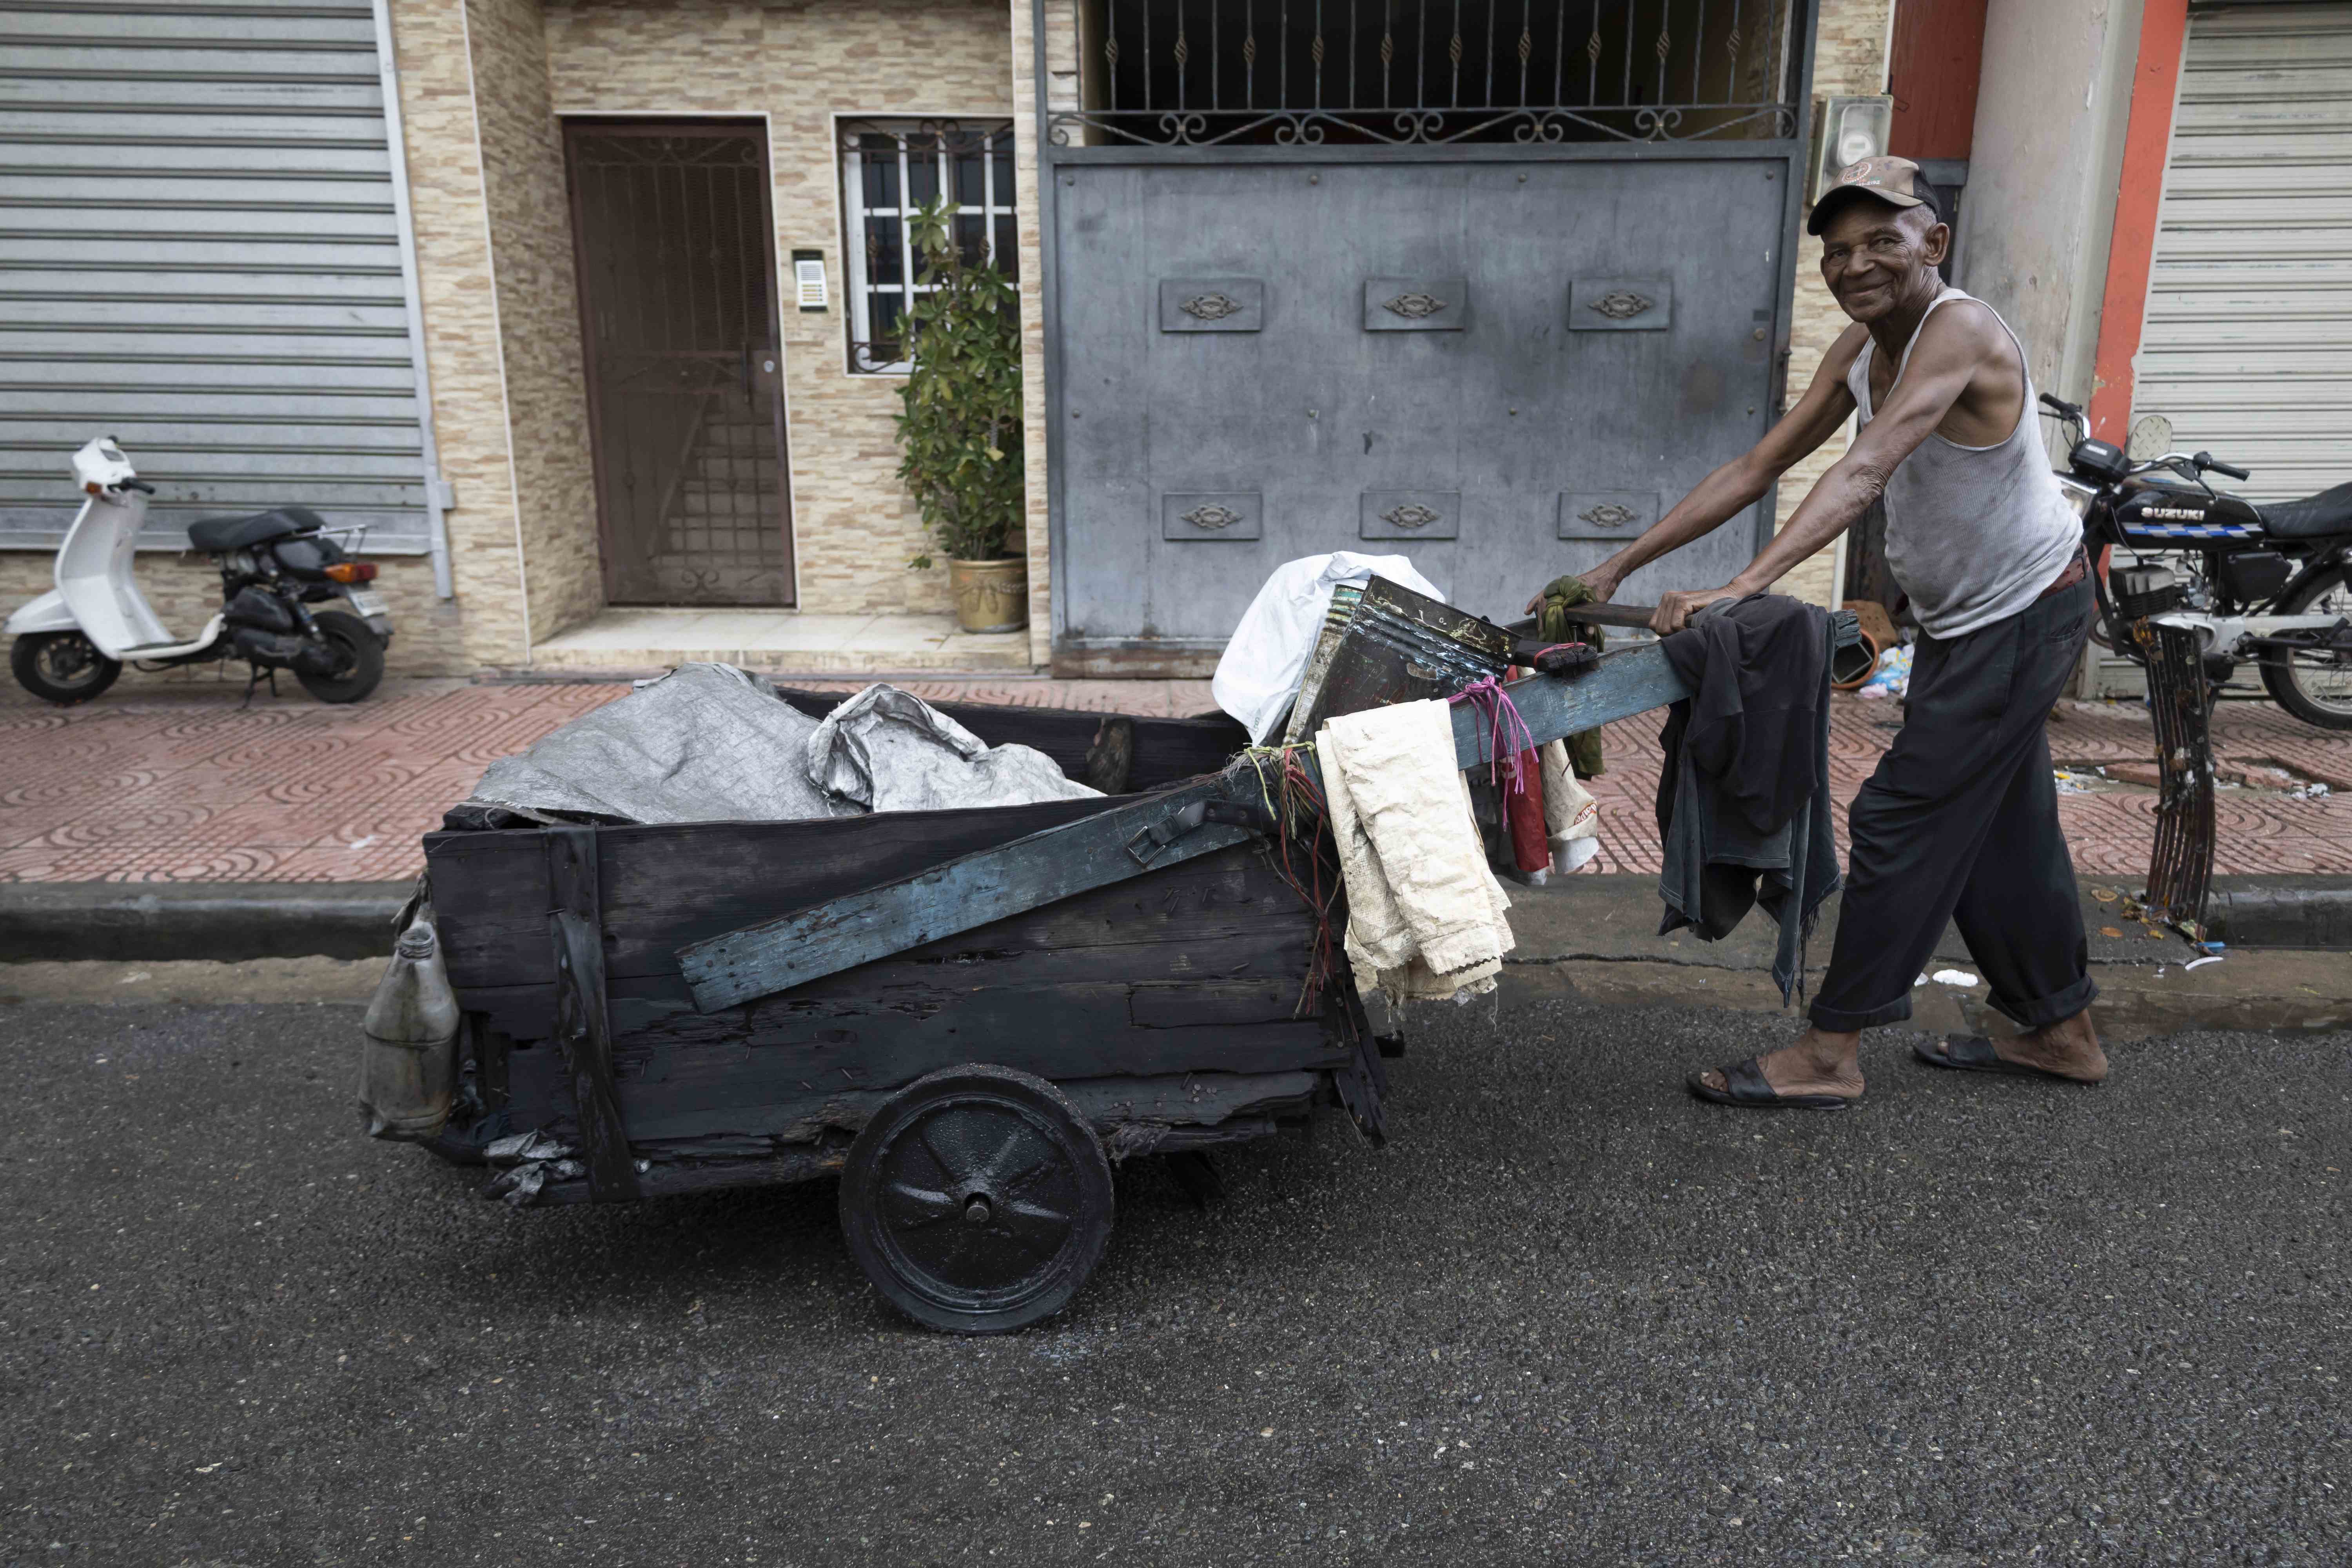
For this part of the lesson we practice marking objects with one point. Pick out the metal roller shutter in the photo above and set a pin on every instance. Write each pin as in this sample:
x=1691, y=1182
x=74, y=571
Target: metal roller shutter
x=201, y=253
x=2248, y=348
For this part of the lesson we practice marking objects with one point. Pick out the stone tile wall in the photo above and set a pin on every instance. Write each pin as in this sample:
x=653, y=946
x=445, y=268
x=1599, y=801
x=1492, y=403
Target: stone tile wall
x=799, y=64
x=529, y=216
x=1850, y=58
x=1062, y=77
x=461, y=345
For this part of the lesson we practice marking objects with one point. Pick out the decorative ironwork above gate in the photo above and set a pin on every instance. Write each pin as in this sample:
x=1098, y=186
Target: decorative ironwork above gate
x=1394, y=72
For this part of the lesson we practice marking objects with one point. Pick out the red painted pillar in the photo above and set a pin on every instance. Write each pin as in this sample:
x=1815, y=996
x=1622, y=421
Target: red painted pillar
x=2147, y=142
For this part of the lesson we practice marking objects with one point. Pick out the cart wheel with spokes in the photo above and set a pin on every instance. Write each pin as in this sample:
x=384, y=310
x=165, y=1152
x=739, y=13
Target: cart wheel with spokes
x=978, y=1200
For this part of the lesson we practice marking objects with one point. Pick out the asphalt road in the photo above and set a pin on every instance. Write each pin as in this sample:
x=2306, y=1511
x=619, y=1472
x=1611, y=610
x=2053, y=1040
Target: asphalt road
x=1567, y=1314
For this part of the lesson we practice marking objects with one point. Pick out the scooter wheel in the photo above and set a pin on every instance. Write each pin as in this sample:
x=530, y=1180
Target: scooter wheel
x=359, y=659
x=63, y=667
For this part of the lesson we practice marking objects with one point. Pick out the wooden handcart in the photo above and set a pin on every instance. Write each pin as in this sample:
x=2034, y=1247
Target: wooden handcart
x=966, y=1016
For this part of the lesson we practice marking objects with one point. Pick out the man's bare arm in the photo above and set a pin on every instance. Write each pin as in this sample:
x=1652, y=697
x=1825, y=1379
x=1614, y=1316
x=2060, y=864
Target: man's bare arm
x=1951, y=348
x=1737, y=484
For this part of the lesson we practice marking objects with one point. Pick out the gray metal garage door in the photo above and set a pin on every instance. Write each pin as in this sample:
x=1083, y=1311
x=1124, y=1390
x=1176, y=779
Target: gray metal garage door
x=200, y=254
x=1501, y=369
x=1492, y=289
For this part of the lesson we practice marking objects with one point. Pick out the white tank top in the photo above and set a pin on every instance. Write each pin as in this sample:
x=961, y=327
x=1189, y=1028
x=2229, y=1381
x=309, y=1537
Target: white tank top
x=1973, y=533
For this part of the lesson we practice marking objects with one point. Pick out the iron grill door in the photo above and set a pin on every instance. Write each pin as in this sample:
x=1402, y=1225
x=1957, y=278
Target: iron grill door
x=200, y=254
x=678, y=301
x=1502, y=369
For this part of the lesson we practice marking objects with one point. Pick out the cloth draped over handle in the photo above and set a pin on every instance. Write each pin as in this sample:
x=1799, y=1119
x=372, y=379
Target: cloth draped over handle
x=1555, y=623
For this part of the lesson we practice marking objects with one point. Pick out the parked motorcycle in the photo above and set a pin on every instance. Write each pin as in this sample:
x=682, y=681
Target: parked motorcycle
x=2271, y=583
x=71, y=643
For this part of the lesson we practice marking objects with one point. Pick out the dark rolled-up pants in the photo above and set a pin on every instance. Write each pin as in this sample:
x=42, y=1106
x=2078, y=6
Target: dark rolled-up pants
x=1960, y=824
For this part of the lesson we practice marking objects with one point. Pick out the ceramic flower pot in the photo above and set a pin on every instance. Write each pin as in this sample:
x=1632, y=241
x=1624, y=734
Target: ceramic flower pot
x=990, y=595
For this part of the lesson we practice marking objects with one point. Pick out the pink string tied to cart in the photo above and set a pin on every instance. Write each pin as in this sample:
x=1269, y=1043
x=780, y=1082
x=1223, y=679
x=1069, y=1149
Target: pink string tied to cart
x=1508, y=734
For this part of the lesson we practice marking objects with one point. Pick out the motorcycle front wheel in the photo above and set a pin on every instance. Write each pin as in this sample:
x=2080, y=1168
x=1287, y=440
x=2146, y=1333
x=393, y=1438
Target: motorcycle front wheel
x=2315, y=687
x=63, y=667
x=359, y=659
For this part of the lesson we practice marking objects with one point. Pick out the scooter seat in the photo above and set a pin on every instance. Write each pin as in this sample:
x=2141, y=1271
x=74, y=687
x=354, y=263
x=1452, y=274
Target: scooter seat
x=215, y=534
x=2315, y=517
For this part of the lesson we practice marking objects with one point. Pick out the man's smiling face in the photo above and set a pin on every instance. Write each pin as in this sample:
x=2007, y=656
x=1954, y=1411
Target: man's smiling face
x=1876, y=257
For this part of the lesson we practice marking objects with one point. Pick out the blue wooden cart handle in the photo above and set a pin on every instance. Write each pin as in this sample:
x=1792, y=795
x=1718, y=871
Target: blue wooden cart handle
x=1125, y=841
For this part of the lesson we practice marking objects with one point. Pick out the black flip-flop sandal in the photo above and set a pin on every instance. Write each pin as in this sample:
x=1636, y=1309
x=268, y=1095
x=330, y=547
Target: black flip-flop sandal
x=1743, y=1086
x=1974, y=1052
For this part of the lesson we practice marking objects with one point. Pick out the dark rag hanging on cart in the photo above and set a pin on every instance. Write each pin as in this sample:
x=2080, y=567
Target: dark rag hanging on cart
x=1744, y=801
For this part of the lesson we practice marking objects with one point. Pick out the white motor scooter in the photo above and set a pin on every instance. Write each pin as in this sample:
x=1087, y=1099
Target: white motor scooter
x=71, y=643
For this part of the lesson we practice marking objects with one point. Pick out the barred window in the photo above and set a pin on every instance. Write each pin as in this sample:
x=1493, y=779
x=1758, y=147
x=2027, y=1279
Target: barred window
x=889, y=168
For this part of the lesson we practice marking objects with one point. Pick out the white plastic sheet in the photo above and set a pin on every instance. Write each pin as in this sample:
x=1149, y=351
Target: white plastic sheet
x=888, y=750
x=1267, y=659
x=709, y=743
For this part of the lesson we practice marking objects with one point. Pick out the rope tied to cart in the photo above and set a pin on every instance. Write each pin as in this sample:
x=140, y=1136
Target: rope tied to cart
x=1508, y=735
x=1294, y=801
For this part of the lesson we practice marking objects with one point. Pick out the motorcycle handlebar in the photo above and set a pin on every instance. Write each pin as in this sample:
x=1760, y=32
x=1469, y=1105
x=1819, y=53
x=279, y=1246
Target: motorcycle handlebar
x=141, y=485
x=2207, y=460
x=2059, y=406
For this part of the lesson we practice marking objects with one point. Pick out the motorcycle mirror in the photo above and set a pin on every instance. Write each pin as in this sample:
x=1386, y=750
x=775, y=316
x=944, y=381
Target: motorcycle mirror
x=2151, y=438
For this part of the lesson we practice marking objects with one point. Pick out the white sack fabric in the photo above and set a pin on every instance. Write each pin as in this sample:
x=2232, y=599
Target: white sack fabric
x=1426, y=916
x=707, y=743
x=1267, y=659
x=887, y=750
x=1571, y=816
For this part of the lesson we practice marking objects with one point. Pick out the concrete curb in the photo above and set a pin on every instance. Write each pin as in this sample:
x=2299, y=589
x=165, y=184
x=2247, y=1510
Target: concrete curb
x=223, y=921
x=2282, y=911
x=1575, y=918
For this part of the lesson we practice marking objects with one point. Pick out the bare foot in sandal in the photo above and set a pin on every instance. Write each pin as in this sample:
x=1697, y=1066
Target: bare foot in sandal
x=1819, y=1071
x=2068, y=1049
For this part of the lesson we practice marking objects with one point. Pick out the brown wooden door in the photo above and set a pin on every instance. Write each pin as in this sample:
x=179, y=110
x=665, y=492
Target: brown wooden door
x=677, y=307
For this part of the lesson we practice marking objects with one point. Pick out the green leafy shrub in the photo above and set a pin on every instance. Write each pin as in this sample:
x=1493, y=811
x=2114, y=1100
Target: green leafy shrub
x=960, y=436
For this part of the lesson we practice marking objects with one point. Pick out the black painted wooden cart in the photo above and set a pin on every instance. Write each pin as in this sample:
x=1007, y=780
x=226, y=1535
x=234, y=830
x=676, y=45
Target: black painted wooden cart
x=965, y=1015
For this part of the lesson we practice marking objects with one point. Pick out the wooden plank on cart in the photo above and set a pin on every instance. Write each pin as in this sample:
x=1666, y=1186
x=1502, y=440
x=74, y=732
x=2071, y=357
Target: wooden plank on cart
x=582, y=1027
x=1059, y=863
x=1618, y=687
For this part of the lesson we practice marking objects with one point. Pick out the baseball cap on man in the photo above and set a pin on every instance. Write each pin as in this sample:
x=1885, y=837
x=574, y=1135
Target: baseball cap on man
x=1894, y=181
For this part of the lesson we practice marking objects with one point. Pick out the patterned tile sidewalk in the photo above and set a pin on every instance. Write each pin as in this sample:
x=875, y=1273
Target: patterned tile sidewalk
x=177, y=784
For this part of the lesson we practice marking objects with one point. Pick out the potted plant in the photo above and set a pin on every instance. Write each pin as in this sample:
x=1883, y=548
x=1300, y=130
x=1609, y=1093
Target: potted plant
x=959, y=434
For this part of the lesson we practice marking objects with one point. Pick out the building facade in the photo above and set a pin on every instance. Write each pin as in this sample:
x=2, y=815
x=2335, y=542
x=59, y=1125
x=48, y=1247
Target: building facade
x=586, y=308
